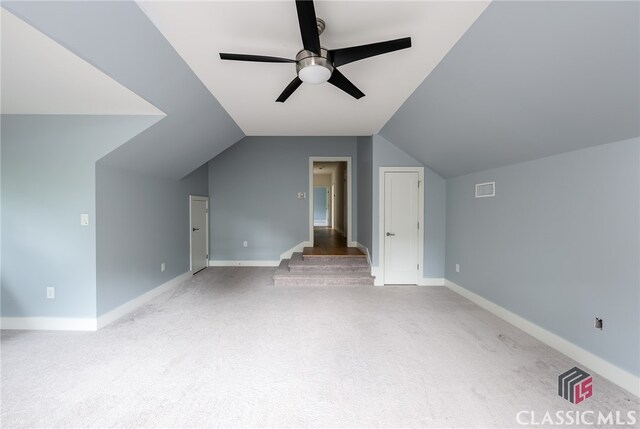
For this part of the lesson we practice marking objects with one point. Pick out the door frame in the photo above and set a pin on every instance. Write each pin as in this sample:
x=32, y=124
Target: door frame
x=381, y=217
x=348, y=190
x=206, y=200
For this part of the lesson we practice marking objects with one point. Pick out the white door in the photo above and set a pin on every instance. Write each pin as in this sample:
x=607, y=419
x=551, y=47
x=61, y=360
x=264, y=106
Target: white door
x=401, y=227
x=199, y=230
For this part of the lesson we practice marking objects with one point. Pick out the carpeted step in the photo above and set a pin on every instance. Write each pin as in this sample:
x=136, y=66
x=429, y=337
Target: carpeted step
x=298, y=264
x=330, y=258
x=284, y=277
x=330, y=254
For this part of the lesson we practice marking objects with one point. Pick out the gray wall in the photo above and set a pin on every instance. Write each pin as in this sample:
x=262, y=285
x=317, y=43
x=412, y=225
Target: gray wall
x=48, y=180
x=558, y=245
x=118, y=38
x=565, y=78
x=143, y=221
x=365, y=189
x=253, y=188
x=340, y=197
x=386, y=154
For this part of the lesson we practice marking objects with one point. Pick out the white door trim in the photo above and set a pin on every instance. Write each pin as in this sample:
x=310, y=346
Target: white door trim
x=346, y=159
x=206, y=200
x=381, y=213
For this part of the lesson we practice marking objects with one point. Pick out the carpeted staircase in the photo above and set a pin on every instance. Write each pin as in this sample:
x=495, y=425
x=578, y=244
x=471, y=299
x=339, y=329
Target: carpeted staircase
x=323, y=270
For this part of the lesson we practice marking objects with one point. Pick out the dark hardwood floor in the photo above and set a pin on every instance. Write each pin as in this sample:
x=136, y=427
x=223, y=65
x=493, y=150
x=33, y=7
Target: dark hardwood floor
x=329, y=242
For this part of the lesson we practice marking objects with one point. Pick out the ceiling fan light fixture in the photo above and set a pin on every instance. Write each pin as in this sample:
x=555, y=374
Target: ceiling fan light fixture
x=313, y=68
x=314, y=74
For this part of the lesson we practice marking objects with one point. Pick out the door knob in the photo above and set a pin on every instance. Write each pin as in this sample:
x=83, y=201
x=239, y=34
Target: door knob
x=195, y=229
x=389, y=234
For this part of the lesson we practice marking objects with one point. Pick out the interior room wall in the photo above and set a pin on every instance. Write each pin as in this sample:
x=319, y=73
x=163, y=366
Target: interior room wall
x=339, y=182
x=365, y=189
x=558, y=245
x=386, y=154
x=48, y=180
x=143, y=222
x=253, y=189
x=324, y=180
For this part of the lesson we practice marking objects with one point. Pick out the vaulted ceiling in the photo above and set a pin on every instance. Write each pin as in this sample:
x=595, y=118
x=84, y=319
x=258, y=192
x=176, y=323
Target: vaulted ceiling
x=199, y=31
x=483, y=86
x=39, y=76
x=118, y=38
x=527, y=80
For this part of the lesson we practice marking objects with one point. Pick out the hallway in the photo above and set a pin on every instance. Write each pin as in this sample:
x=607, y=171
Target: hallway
x=328, y=237
x=327, y=241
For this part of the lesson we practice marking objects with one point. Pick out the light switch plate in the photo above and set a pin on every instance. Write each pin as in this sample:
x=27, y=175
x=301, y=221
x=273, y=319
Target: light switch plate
x=84, y=219
x=51, y=293
x=302, y=195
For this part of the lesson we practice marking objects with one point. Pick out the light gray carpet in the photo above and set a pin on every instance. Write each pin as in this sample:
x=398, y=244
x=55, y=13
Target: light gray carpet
x=228, y=349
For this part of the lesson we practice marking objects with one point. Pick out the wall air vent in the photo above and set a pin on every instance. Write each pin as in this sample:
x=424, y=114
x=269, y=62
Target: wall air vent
x=486, y=190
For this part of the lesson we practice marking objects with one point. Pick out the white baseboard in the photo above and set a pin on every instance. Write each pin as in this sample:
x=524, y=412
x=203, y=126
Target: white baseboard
x=363, y=249
x=320, y=223
x=90, y=323
x=49, y=323
x=603, y=367
x=139, y=301
x=431, y=282
x=297, y=248
x=244, y=263
x=377, y=273
x=379, y=281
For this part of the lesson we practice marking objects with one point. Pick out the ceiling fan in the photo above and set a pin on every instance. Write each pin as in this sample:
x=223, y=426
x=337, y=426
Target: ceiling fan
x=315, y=64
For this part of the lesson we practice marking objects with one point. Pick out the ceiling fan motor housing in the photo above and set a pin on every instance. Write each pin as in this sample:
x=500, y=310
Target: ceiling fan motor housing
x=313, y=68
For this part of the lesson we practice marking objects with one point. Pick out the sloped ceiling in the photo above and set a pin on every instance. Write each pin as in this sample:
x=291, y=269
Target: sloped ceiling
x=527, y=80
x=41, y=77
x=200, y=30
x=119, y=39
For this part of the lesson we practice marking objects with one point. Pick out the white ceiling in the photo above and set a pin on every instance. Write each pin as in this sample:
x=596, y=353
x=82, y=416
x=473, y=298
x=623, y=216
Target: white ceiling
x=326, y=167
x=39, y=76
x=200, y=30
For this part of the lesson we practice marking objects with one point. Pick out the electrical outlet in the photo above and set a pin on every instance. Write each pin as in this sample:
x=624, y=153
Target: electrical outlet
x=162, y=267
x=245, y=244
x=51, y=293
x=457, y=268
x=302, y=195
x=598, y=323
x=84, y=219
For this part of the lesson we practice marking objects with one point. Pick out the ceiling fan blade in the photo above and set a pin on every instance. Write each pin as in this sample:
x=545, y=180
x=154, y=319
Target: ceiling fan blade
x=255, y=58
x=295, y=83
x=337, y=79
x=308, y=25
x=348, y=55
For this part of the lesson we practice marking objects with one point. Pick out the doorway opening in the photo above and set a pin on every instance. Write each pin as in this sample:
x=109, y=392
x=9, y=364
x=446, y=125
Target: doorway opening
x=330, y=205
x=198, y=233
